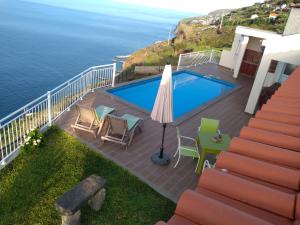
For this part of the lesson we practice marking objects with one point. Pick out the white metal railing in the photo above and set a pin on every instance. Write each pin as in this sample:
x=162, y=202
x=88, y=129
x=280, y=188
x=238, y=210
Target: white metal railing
x=42, y=111
x=197, y=58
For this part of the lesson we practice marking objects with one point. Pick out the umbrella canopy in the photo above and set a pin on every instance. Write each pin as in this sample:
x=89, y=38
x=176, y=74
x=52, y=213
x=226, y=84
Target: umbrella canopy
x=163, y=112
x=163, y=107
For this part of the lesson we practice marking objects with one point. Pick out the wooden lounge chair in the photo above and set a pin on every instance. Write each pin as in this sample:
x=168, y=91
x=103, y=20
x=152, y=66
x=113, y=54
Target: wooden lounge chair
x=101, y=112
x=89, y=119
x=121, y=129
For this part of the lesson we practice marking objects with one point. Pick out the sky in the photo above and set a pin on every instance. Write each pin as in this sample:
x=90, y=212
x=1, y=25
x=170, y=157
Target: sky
x=192, y=6
x=116, y=8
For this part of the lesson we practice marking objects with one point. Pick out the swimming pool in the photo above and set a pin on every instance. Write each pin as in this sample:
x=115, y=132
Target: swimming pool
x=190, y=91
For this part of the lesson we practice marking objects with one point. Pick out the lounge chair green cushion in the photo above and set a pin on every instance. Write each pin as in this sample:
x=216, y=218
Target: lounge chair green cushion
x=189, y=151
x=102, y=111
x=131, y=120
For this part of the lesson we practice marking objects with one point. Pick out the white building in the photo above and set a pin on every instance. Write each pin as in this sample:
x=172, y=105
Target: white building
x=266, y=56
x=254, y=16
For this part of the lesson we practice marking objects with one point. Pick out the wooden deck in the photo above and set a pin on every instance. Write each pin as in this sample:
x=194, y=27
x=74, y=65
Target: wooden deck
x=166, y=180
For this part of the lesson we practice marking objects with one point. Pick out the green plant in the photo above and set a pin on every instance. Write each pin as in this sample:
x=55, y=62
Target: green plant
x=32, y=183
x=33, y=140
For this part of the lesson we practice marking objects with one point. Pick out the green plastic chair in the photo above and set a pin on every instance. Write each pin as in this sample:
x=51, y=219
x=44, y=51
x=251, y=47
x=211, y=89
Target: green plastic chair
x=209, y=126
x=187, y=151
x=207, y=164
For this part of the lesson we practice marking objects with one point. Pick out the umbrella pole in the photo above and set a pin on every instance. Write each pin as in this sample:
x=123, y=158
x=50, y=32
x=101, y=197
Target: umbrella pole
x=160, y=158
x=161, y=153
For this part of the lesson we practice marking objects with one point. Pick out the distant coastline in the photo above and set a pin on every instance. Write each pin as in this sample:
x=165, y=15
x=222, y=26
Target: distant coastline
x=42, y=46
x=212, y=31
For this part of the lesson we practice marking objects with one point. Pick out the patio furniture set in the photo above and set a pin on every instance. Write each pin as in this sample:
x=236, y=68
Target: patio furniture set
x=121, y=129
x=209, y=138
x=118, y=129
x=256, y=181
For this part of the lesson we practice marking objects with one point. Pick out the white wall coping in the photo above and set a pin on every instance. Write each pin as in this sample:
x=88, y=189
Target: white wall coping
x=288, y=40
x=253, y=32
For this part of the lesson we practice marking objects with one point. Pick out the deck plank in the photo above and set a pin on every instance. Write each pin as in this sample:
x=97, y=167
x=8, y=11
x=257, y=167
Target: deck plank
x=166, y=180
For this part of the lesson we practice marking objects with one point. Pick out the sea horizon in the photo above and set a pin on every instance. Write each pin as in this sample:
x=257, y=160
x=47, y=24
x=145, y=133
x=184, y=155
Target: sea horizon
x=43, y=45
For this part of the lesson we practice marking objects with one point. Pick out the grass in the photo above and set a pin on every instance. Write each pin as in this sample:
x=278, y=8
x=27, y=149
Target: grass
x=31, y=184
x=189, y=37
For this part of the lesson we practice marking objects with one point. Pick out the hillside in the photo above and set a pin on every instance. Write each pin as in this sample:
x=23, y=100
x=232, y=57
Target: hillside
x=211, y=32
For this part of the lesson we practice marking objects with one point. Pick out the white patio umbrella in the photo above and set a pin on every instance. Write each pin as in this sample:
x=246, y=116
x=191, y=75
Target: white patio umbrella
x=163, y=111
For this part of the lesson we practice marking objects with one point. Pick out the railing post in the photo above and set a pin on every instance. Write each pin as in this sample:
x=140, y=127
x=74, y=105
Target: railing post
x=211, y=55
x=49, y=108
x=114, y=75
x=91, y=79
x=179, y=60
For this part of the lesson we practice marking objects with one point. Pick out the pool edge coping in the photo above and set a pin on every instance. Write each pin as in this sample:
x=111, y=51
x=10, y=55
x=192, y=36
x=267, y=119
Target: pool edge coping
x=188, y=115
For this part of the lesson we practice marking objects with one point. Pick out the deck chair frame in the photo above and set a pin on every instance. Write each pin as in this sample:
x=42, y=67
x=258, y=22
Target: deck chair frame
x=101, y=121
x=194, y=150
x=93, y=125
x=125, y=136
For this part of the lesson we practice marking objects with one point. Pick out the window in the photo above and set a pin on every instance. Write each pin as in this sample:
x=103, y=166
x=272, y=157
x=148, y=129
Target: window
x=289, y=69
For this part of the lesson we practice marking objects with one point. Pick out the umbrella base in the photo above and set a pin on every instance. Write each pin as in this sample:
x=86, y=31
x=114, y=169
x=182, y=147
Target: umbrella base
x=164, y=161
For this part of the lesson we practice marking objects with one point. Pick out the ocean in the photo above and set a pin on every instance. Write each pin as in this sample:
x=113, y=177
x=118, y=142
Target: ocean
x=43, y=45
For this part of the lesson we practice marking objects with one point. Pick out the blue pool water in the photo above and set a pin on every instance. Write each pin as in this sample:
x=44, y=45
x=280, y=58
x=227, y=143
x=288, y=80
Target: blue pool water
x=190, y=91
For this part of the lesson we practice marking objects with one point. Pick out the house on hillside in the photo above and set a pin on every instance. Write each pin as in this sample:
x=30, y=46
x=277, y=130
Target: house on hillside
x=283, y=6
x=254, y=16
x=264, y=56
x=273, y=16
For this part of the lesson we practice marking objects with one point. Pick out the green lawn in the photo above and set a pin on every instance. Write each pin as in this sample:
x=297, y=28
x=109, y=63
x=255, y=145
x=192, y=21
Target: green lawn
x=31, y=184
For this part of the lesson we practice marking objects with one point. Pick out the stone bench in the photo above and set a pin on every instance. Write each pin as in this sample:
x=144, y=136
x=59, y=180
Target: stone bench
x=89, y=190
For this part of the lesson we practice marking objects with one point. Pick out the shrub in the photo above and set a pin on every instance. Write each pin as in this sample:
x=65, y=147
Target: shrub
x=33, y=140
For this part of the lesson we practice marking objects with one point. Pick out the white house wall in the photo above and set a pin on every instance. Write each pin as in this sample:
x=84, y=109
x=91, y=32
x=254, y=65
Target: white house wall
x=283, y=48
x=228, y=56
x=293, y=23
x=252, y=32
x=227, y=59
x=240, y=55
x=255, y=44
x=279, y=71
x=270, y=79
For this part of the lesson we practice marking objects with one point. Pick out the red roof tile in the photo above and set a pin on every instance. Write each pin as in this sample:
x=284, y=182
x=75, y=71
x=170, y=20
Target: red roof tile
x=253, y=175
